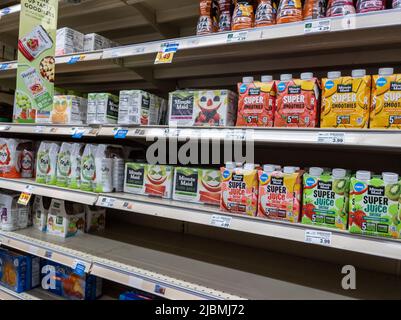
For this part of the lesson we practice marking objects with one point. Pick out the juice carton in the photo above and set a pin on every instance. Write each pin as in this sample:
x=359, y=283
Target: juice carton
x=106, y=108
x=158, y=180
x=41, y=206
x=289, y=11
x=257, y=101
x=69, y=41
x=181, y=108
x=105, y=162
x=46, y=163
x=18, y=272
x=13, y=216
x=197, y=185
x=134, y=181
x=346, y=100
x=325, y=201
x=67, y=283
x=239, y=189
x=69, y=109
x=280, y=194
x=374, y=204
x=297, y=101
x=134, y=107
x=386, y=100
x=88, y=168
x=65, y=219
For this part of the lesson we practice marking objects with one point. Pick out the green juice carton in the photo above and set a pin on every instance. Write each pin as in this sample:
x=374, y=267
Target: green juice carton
x=134, y=181
x=375, y=204
x=325, y=201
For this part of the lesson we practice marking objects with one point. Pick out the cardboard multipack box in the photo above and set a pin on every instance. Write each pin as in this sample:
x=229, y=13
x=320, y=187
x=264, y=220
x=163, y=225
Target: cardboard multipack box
x=13, y=216
x=69, y=110
x=65, y=219
x=69, y=41
x=68, y=283
x=94, y=41
x=95, y=220
x=102, y=108
x=19, y=272
x=41, y=206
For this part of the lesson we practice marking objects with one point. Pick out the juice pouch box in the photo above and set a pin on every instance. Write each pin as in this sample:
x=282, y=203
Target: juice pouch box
x=197, y=185
x=325, y=201
x=106, y=108
x=134, y=107
x=374, y=204
x=257, y=101
x=239, y=190
x=280, y=195
x=181, y=108
x=46, y=163
x=158, y=180
x=134, y=181
x=88, y=168
x=215, y=108
x=346, y=100
x=13, y=216
x=386, y=100
x=69, y=110
x=67, y=283
x=41, y=206
x=297, y=101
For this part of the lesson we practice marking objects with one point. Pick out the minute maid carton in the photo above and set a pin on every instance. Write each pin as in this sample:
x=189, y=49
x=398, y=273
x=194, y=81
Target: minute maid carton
x=346, y=100
x=197, y=185
x=325, y=201
x=386, y=100
x=374, y=204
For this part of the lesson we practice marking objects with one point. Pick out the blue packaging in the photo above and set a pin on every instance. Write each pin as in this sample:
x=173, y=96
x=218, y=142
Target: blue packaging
x=137, y=295
x=67, y=283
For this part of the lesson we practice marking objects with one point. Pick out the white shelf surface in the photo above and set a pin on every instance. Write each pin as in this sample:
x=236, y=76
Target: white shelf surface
x=7, y=294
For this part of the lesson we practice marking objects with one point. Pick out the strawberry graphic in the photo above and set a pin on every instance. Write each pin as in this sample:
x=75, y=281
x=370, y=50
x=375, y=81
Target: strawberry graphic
x=308, y=210
x=357, y=217
x=33, y=44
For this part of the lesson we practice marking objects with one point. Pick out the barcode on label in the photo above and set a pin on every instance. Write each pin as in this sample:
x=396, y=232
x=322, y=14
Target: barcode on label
x=318, y=237
x=220, y=221
x=331, y=137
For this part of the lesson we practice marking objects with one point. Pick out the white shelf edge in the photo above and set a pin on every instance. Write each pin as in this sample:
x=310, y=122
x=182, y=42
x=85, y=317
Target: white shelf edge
x=10, y=10
x=7, y=294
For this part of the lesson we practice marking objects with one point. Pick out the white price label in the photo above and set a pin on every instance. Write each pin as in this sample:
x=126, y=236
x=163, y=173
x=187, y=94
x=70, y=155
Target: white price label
x=318, y=237
x=40, y=129
x=315, y=26
x=139, y=132
x=135, y=282
x=237, y=36
x=33, y=250
x=236, y=135
x=331, y=137
x=220, y=221
x=108, y=202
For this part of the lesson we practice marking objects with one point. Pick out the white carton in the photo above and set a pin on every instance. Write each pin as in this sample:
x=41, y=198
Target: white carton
x=94, y=41
x=69, y=110
x=40, y=209
x=69, y=41
x=134, y=107
x=12, y=215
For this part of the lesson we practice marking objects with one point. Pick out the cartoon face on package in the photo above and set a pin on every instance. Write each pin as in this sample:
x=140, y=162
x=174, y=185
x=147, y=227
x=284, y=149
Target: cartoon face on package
x=214, y=108
x=159, y=180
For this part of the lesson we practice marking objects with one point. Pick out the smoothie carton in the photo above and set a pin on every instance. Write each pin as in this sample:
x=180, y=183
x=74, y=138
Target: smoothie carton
x=374, y=204
x=386, y=100
x=346, y=100
x=280, y=193
x=239, y=189
x=74, y=176
x=297, y=101
x=64, y=164
x=325, y=201
x=88, y=168
x=46, y=163
x=197, y=185
x=134, y=181
x=257, y=101
x=158, y=180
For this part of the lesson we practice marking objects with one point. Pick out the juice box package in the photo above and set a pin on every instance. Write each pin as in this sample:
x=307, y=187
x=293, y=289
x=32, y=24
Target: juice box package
x=181, y=108
x=95, y=219
x=67, y=283
x=134, y=107
x=325, y=200
x=158, y=180
x=94, y=41
x=13, y=216
x=374, y=204
x=46, y=163
x=69, y=110
x=41, y=206
x=19, y=272
x=65, y=219
x=297, y=102
x=88, y=168
x=134, y=181
x=256, y=102
x=239, y=190
x=197, y=185
x=346, y=100
x=69, y=41
x=280, y=195
x=106, y=108
x=386, y=100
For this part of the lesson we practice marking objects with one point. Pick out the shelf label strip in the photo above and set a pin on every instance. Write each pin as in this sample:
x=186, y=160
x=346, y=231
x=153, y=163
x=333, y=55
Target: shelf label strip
x=323, y=238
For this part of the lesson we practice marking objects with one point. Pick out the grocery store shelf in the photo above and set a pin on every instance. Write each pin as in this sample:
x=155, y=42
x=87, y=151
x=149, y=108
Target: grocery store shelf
x=48, y=129
x=94, y=252
x=35, y=294
x=30, y=186
x=208, y=215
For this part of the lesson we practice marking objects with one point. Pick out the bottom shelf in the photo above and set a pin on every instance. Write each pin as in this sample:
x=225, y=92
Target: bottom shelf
x=35, y=294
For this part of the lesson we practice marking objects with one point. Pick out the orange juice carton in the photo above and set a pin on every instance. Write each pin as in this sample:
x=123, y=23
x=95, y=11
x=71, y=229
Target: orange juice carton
x=69, y=109
x=386, y=100
x=197, y=185
x=280, y=193
x=346, y=100
x=16, y=158
x=257, y=100
x=297, y=101
x=239, y=189
x=289, y=11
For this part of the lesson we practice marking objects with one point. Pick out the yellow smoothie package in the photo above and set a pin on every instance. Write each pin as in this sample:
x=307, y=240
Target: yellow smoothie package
x=346, y=100
x=386, y=100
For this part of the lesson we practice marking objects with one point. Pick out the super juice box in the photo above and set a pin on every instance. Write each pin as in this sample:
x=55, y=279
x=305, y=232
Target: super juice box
x=325, y=201
x=346, y=100
x=386, y=100
x=239, y=189
x=374, y=204
x=257, y=101
x=297, y=101
x=280, y=194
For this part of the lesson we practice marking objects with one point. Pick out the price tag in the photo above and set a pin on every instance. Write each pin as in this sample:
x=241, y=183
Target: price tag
x=166, y=53
x=40, y=129
x=220, y=221
x=108, y=202
x=236, y=135
x=5, y=11
x=78, y=133
x=48, y=254
x=128, y=205
x=120, y=133
x=331, y=137
x=135, y=282
x=4, y=66
x=139, y=132
x=160, y=289
x=315, y=26
x=79, y=268
x=75, y=59
x=24, y=198
x=237, y=36
x=318, y=237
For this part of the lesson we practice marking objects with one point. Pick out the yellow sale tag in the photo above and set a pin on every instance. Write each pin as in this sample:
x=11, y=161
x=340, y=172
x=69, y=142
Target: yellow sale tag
x=24, y=198
x=166, y=53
